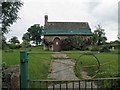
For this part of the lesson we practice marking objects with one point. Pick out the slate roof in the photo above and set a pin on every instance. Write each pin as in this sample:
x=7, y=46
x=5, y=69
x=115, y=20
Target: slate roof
x=67, y=28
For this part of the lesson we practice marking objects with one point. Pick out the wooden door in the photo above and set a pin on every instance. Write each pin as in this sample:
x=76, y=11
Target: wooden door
x=56, y=45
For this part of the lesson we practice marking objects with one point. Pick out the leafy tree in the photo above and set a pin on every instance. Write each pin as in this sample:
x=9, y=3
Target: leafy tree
x=99, y=36
x=26, y=37
x=47, y=43
x=9, y=14
x=0, y=39
x=14, y=40
x=34, y=34
x=4, y=44
x=25, y=44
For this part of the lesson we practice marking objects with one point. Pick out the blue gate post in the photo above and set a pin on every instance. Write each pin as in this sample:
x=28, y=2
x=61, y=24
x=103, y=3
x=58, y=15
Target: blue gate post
x=23, y=70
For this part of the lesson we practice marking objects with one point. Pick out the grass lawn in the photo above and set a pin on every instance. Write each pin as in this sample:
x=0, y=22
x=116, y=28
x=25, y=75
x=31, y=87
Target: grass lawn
x=38, y=64
x=108, y=64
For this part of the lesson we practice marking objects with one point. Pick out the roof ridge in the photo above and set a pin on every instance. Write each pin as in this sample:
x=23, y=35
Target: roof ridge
x=66, y=22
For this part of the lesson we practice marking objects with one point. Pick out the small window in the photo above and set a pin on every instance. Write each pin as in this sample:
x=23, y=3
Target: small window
x=56, y=43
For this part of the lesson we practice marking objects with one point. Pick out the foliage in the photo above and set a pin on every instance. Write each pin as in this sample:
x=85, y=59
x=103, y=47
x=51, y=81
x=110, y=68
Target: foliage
x=47, y=43
x=0, y=40
x=38, y=64
x=100, y=48
x=108, y=68
x=115, y=44
x=25, y=44
x=66, y=44
x=13, y=46
x=9, y=14
x=14, y=40
x=34, y=34
x=26, y=37
x=94, y=48
x=105, y=48
x=4, y=44
x=74, y=42
x=99, y=36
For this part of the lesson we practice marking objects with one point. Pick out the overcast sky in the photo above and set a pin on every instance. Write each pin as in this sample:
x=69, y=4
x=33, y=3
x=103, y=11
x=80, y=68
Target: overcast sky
x=103, y=12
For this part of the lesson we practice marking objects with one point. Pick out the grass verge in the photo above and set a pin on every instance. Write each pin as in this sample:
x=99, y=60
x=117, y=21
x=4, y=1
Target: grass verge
x=38, y=64
x=108, y=64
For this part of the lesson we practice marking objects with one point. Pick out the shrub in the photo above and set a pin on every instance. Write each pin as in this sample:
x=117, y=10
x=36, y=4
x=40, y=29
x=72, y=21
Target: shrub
x=105, y=49
x=94, y=48
x=116, y=46
x=18, y=46
x=13, y=46
x=74, y=43
x=9, y=50
x=66, y=44
x=5, y=46
x=26, y=44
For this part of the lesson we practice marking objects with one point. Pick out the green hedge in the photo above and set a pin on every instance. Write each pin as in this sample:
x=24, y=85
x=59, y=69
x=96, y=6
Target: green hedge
x=13, y=46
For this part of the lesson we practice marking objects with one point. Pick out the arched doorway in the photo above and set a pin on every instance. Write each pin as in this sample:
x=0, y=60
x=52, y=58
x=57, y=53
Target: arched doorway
x=56, y=44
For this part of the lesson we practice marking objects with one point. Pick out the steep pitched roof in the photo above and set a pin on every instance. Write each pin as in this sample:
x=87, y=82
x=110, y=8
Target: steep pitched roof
x=67, y=32
x=67, y=25
x=67, y=28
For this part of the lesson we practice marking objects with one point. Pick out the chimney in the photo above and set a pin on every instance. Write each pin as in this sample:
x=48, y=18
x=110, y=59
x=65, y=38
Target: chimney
x=46, y=19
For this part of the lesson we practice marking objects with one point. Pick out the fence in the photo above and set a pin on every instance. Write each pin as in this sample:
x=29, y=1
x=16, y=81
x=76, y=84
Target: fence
x=102, y=83
x=99, y=83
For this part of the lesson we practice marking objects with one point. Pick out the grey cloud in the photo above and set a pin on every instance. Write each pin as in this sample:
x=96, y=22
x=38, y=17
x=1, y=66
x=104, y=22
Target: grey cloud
x=77, y=11
x=92, y=5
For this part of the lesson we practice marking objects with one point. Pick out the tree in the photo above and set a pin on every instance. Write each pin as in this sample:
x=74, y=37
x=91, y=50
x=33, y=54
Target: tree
x=34, y=34
x=9, y=14
x=26, y=37
x=14, y=40
x=25, y=44
x=99, y=36
x=26, y=40
x=3, y=44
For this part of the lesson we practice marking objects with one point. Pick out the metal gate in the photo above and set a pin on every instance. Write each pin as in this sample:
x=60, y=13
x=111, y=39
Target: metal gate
x=99, y=83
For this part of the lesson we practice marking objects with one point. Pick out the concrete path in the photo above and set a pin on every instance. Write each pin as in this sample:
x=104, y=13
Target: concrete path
x=63, y=69
x=58, y=55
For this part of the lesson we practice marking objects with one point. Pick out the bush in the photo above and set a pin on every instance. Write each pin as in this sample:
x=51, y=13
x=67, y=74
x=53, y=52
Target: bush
x=13, y=46
x=74, y=43
x=18, y=46
x=66, y=44
x=9, y=50
x=105, y=49
x=94, y=48
x=5, y=46
x=116, y=46
x=26, y=44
